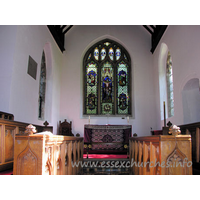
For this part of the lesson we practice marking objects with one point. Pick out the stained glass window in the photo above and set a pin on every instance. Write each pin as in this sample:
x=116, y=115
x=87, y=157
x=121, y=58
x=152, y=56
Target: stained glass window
x=170, y=90
x=92, y=89
x=123, y=102
x=111, y=53
x=42, y=88
x=96, y=53
x=118, y=53
x=103, y=53
x=107, y=79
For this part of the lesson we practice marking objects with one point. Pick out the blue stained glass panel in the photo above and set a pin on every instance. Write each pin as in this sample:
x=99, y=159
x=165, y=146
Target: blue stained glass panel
x=122, y=101
x=103, y=54
x=111, y=53
x=118, y=53
x=122, y=78
x=96, y=53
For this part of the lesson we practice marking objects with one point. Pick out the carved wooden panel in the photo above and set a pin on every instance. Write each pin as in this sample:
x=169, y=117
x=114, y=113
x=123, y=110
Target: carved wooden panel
x=58, y=159
x=140, y=157
x=27, y=162
x=136, y=157
x=48, y=160
x=162, y=155
x=21, y=130
x=9, y=143
x=175, y=162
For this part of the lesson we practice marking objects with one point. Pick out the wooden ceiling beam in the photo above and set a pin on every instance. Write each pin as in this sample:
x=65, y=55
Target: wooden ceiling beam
x=156, y=36
x=67, y=29
x=62, y=27
x=148, y=29
x=58, y=32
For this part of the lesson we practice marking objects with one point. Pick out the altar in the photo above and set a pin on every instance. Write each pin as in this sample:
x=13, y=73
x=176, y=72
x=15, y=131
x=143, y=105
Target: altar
x=113, y=139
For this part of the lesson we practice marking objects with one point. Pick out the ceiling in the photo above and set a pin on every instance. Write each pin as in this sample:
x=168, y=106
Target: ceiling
x=59, y=32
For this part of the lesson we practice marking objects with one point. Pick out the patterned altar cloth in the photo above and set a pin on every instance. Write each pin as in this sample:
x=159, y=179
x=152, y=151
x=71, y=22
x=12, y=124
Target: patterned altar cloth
x=110, y=138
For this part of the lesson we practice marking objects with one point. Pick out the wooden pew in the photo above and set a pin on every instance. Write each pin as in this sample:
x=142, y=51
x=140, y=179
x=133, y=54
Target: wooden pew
x=47, y=154
x=161, y=155
x=8, y=130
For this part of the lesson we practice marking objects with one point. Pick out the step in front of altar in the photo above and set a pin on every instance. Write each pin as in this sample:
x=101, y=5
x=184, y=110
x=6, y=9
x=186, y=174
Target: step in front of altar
x=105, y=167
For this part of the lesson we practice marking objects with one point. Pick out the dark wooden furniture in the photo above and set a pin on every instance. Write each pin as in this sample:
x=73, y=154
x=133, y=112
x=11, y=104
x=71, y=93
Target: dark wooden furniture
x=194, y=130
x=65, y=128
x=6, y=116
x=113, y=139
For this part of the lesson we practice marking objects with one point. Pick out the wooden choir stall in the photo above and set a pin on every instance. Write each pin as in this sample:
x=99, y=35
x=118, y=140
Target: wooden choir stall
x=47, y=154
x=8, y=129
x=161, y=155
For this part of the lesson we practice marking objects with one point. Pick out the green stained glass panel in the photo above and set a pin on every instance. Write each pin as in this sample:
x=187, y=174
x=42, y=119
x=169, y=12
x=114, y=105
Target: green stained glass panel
x=107, y=88
x=122, y=89
x=92, y=89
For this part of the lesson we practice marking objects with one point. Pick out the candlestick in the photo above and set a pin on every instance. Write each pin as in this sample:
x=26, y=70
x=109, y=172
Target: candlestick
x=89, y=119
x=164, y=114
x=128, y=119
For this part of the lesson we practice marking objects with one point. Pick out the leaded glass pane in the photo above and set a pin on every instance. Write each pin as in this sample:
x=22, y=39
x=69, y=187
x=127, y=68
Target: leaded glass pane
x=125, y=57
x=107, y=88
x=42, y=87
x=89, y=56
x=169, y=77
x=118, y=53
x=96, y=53
x=107, y=43
x=122, y=88
x=92, y=88
x=172, y=112
x=111, y=53
x=103, y=54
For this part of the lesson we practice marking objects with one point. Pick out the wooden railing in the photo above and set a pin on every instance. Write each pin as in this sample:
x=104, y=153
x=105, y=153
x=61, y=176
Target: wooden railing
x=47, y=154
x=160, y=155
x=8, y=130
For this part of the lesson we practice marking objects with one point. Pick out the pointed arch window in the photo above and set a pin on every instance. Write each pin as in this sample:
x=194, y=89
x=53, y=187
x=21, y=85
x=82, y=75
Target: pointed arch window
x=107, y=79
x=170, y=87
x=42, y=88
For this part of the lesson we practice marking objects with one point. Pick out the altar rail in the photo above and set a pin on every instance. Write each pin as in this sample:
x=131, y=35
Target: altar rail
x=161, y=155
x=47, y=154
x=8, y=130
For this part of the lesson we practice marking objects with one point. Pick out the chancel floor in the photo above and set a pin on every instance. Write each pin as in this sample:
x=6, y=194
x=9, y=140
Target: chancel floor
x=105, y=165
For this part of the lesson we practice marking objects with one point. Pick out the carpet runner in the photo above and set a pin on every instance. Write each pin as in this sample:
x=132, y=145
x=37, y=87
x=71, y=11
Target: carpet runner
x=104, y=156
x=104, y=164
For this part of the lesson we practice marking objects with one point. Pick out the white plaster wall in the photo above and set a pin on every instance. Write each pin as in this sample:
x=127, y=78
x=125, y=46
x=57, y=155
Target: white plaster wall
x=191, y=99
x=183, y=42
x=137, y=42
x=24, y=91
x=7, y=49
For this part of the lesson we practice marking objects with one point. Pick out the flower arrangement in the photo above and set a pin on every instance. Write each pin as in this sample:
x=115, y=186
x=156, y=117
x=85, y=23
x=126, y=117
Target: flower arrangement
x=30, y=129
x=174, y=130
